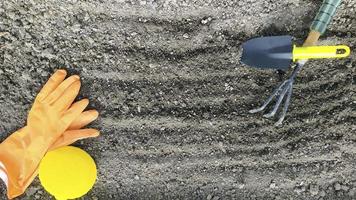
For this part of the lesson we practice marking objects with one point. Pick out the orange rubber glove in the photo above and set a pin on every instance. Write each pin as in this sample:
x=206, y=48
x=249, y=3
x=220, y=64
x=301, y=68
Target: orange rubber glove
x=51, y=114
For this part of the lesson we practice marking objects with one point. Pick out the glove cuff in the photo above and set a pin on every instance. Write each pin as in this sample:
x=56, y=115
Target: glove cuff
x=3, y=174
x=16, y=169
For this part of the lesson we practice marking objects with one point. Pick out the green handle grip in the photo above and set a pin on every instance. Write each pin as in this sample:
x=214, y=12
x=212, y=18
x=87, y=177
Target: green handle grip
x=324, y=16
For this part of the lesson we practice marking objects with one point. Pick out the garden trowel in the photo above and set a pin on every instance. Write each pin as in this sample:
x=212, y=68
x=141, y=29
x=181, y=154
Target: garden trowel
x=278, y=52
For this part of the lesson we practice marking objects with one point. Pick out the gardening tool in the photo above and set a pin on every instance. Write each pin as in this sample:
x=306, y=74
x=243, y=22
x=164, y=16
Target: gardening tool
x=278, y=52
x=67, y=172
x=318, y=27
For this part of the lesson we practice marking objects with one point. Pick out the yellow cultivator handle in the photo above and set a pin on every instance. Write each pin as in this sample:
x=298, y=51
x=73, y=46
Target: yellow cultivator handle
x=317, y=52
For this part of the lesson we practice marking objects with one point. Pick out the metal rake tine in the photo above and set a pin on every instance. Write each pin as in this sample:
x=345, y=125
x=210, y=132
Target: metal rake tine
x=286, y=106
x=279, y=101
x=275, y=92
x=298, y=67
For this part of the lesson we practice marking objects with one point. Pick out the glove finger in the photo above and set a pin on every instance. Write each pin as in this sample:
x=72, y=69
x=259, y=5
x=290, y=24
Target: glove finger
x=51, y=84
x=69, y=137
x=84, y=119
x=59, y=91
x=74, y=112
x=68, y=97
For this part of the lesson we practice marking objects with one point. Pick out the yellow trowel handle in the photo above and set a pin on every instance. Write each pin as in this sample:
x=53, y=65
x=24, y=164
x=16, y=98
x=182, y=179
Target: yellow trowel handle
x=317, y=52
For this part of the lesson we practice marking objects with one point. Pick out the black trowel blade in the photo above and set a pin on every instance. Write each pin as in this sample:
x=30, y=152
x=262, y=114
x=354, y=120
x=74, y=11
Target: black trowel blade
x=273, y=52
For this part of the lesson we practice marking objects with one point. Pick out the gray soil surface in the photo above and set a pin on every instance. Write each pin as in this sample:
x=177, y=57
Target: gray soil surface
x=174, y=97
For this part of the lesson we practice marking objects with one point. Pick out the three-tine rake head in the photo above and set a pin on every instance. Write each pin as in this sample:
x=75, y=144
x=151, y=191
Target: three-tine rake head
x=282, y=92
